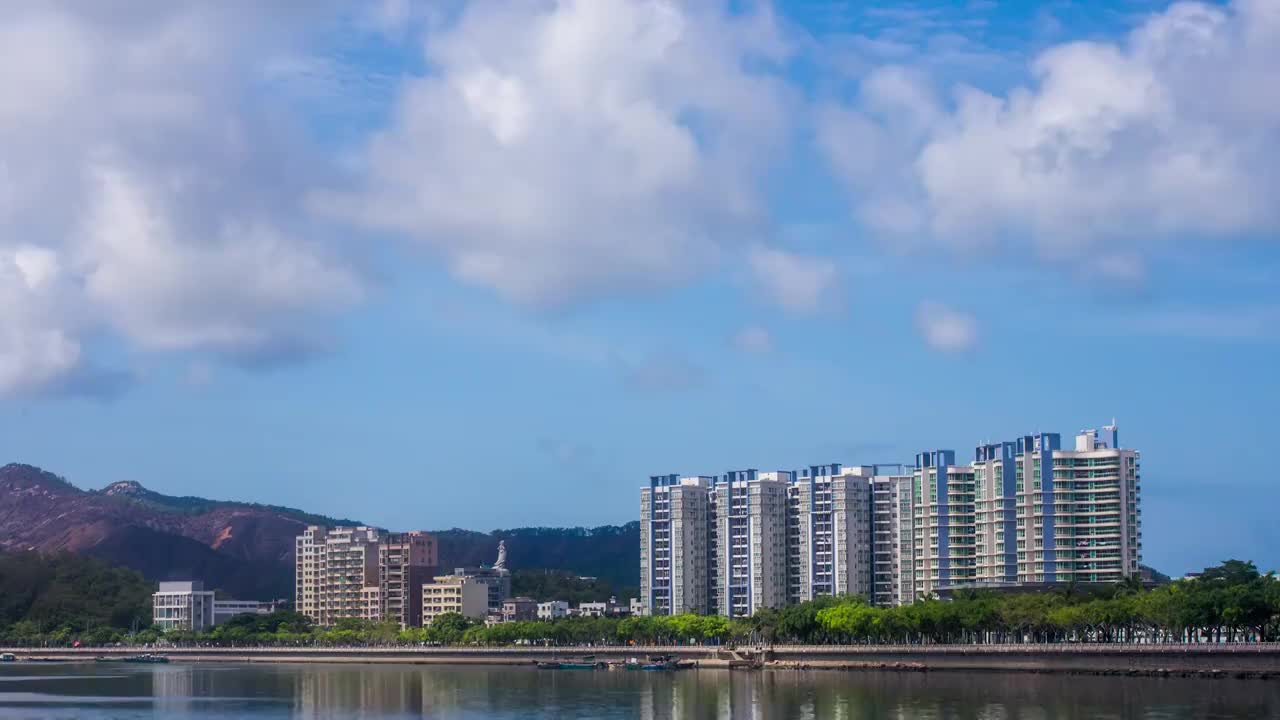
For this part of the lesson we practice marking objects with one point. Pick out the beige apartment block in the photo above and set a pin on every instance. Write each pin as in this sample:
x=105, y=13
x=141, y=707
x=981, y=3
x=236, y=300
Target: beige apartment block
x=309, y=569
x=362, y=572
x=454, y=594
x=351, y=566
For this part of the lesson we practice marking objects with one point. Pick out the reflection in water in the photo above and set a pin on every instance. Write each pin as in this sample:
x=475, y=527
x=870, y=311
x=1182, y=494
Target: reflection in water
x=725, y=695
x=471, y=693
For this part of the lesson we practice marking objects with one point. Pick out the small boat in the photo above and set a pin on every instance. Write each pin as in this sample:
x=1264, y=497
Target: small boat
x=661, y=662
x=588, y=662
x=147, y=659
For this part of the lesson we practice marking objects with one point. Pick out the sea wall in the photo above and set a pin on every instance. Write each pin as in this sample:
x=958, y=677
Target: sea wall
x=1258, y=660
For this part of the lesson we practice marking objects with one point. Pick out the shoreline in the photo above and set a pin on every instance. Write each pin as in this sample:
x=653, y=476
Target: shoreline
x=1190, y=661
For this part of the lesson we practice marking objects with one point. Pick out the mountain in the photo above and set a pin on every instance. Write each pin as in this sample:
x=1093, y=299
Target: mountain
x=247, y=549
x=242, y=548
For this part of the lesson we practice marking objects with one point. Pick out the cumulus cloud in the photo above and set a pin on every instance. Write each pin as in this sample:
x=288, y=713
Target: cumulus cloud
x=795, y=282
x=145, y=191
x=753, y=339
x=557, y=150
x=945, y=329
x=1172, y=132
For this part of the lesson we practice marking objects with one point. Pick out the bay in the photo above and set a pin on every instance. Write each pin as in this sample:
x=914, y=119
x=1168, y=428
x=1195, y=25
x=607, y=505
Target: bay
x=260, y=691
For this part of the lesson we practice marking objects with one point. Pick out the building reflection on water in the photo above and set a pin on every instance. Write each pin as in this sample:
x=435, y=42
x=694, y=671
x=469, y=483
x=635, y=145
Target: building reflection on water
x=691, y=695
x=377, y=691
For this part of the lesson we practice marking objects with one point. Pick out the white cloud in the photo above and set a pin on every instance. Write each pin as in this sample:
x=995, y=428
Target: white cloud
x=36, y=347
x=562, y=149
x=232, y=289
x=945, y=329
x=1115, y=148
x=149, y=190
x=753, y=339
x=795, y=282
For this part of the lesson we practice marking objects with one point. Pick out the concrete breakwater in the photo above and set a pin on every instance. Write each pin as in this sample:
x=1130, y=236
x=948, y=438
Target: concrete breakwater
x=1254, y=660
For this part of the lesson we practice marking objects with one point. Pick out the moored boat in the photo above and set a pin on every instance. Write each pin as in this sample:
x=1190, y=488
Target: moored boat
x=588, y=662
x=146, y=659
x=661, y=662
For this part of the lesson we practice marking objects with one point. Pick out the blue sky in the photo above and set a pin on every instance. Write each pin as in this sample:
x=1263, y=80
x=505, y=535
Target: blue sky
x=488, y=265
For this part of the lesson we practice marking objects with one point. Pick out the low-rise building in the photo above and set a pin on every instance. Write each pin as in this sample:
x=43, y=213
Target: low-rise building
x=591, y=609
x=459, y=594
x=224, y=610
x=182, y=605
x=553, y=610
x=497, y=582
x=186, y=605
x=519, y=609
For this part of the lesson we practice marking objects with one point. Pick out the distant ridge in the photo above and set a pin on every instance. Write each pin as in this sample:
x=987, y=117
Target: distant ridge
x=133, y=491
x=247, y=549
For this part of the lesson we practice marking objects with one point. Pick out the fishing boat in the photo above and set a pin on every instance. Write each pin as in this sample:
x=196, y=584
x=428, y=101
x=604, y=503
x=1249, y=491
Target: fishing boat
x=657, y=662
x=588, y=662
x=661, y=662
x=146, y=659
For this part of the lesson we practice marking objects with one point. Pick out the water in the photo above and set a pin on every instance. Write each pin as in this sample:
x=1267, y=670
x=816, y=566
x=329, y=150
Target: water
x=212, y=692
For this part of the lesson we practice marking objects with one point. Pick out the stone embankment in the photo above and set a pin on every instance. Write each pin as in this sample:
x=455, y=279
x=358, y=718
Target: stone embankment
x=1242, y=661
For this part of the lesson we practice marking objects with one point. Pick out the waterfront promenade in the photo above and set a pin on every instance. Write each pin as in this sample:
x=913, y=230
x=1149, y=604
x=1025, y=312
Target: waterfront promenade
x=1224, y=660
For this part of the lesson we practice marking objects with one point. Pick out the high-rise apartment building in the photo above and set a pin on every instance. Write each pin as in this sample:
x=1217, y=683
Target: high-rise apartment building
x=1031, y=513
x=1046, y=514
x=406, y=561
x=674, y=544
x=943, y=522
x=1025, y=511
x=308, y=575
x=829, y=532
x=362, y=572
x=350, y=576
x=749, y=515
x=892, y=537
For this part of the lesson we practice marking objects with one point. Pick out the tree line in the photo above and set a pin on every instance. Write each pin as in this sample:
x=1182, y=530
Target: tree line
x=1232, y=602
x=60, y=598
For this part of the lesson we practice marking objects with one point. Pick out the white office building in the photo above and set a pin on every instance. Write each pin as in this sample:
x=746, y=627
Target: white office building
x=186, y=605
x=182, y=605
